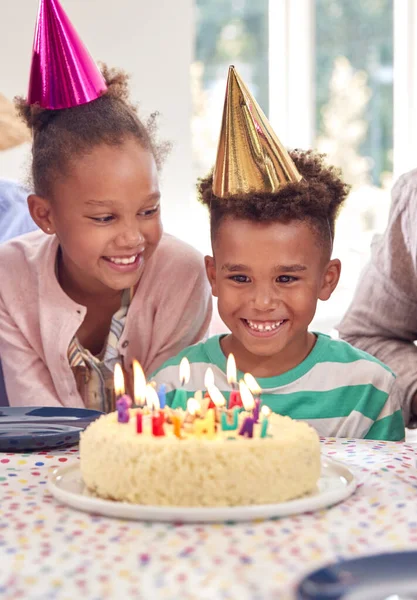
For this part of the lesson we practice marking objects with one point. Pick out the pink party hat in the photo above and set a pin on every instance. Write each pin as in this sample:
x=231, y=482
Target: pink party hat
x=63, y=74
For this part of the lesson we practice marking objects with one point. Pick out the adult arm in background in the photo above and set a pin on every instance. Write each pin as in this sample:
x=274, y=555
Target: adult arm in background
x=382, y=318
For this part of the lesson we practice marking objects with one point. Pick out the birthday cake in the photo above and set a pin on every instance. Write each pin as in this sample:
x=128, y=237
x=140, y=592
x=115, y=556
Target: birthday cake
x=189, y=464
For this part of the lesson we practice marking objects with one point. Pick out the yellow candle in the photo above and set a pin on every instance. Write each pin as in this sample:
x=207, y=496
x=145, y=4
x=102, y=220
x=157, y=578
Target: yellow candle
x=205, y=427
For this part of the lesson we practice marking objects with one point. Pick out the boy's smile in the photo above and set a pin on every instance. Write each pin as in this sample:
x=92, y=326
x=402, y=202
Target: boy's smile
x=268, y=278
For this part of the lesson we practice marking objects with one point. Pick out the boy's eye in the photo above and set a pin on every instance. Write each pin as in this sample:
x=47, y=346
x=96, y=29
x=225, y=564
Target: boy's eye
x=240, y=278
x=106, y=219
x=286, y=279
x=149, y=211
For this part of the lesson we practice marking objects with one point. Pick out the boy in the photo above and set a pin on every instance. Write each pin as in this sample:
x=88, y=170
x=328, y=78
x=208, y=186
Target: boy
x=272, y=240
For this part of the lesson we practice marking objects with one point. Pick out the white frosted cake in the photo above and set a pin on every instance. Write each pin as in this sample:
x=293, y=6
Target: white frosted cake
x=225, y=469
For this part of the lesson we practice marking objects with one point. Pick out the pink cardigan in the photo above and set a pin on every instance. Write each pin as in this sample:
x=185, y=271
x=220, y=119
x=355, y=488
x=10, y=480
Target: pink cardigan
x=171, y=309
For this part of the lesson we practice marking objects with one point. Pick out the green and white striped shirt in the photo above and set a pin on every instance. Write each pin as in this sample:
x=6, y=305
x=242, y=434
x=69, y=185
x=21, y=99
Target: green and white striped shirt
x=339, y=390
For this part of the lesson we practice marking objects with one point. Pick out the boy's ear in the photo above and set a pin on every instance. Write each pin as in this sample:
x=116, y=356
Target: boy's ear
x=211, y=273
x=330, y=279
x=40, y=211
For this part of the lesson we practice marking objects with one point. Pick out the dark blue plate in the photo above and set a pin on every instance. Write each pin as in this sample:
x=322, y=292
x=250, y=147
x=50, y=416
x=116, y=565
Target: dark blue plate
x=24, y=428
x=390, y=576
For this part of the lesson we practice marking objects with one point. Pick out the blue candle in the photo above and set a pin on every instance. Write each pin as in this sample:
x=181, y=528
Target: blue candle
x=162, y=395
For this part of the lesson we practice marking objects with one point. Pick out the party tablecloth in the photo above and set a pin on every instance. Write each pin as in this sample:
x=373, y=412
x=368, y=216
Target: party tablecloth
x=50, y=551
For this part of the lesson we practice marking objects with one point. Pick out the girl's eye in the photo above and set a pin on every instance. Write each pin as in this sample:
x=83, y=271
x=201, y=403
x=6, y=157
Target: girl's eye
x=103, y=219
x=240, y=278
x=286, y=279
x=149, y=211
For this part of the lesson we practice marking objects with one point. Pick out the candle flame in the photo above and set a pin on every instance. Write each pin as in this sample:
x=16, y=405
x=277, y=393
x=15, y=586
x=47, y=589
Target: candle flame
x=231, y=370
x=139, y=384
x=151, y=396
x=246, y=395
x=266, y=411
x=119, y=382
x=193, y=406
x=208, y=378
x=185, y=371
x=252, y=384
x=216, y=395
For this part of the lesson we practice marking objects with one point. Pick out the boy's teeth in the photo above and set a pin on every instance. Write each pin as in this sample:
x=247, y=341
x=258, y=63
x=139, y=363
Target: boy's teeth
x=123, y=261
x=269, y=326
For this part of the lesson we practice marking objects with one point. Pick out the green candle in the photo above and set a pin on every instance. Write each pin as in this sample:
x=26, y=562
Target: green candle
x=180, y=399
x=226, y=426
x=266, y=411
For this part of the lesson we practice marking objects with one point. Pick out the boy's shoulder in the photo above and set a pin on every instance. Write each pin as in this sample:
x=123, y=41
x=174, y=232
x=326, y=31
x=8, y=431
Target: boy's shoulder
x=339, y=351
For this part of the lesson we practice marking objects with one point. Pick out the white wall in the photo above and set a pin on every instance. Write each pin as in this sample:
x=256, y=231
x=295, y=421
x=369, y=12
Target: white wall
x=152, y=40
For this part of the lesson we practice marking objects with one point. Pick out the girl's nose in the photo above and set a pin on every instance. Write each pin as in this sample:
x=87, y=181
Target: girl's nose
x=130, y=237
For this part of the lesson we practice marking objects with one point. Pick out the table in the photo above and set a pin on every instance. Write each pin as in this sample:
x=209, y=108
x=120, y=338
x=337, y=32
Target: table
x=49, y=551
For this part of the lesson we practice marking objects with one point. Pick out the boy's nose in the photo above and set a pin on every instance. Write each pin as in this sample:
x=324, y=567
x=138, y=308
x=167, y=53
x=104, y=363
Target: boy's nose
x=264, y=299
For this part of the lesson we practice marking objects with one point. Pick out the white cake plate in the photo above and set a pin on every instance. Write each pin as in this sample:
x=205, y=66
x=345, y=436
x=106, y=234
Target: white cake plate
x=336, y=483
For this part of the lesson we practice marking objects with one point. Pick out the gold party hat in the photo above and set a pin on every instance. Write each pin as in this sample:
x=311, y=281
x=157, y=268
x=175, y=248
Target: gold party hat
x=250, y=157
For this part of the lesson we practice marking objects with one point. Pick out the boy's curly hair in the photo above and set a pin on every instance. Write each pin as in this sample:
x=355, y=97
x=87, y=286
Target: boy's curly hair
x=60, y=135
x=317, y=198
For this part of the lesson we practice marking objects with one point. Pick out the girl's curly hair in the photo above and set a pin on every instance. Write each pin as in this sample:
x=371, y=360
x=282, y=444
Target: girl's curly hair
x=60, y=135
x=317, y=198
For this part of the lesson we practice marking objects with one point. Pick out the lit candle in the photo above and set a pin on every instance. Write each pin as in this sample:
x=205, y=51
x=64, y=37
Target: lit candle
x=208, y=383
x=123, y=402
x=234, y=398
x=193, y=406
x=205, y=427
x=139, y=384
x=256, y=390
x=218, y=400
x=158, y=417
x=180, y=397
x=248, y=403
x=266, y=411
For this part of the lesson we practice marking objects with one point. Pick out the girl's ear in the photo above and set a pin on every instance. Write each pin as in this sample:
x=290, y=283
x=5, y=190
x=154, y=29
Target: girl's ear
x=211, y=273
x=40, y=211
x=330, y=279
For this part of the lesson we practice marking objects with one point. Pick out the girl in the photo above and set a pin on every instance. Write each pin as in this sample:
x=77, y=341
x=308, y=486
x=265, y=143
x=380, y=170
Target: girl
x=100, y=282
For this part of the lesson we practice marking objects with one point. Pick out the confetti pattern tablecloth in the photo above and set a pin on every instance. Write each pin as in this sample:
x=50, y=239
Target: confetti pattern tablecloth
x=49, y=551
